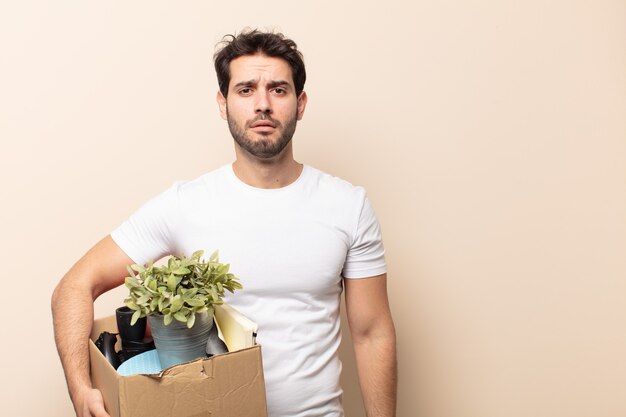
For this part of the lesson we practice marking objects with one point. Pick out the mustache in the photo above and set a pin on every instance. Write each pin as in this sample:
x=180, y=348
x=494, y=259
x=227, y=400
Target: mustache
x=264, y=116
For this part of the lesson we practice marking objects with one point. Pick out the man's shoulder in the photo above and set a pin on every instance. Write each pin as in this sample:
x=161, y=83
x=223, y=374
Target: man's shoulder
x=182, y=193
x=329, y=183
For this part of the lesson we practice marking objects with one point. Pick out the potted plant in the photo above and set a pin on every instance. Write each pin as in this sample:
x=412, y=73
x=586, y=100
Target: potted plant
x=178, y=298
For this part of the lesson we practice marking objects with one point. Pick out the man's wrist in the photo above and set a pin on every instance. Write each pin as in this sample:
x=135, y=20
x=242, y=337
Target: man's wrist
x=79, y=390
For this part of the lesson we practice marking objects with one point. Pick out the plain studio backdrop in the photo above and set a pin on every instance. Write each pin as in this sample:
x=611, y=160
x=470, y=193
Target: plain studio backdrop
x=490, y=135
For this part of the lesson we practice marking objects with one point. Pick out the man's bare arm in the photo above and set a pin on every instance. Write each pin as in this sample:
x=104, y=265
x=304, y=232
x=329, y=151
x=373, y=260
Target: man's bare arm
x=103, y=267
x=374, y=339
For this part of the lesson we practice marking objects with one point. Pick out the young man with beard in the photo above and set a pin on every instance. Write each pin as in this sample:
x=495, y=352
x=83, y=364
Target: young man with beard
x=296, y=236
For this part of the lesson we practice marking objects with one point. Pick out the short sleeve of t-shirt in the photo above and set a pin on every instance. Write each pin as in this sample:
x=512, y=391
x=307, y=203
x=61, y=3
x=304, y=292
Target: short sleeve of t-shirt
x=147, y=235
x=366, y=255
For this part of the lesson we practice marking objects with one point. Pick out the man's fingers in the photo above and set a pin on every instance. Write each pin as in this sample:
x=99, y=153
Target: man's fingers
x=98, y=411
x=95, y=404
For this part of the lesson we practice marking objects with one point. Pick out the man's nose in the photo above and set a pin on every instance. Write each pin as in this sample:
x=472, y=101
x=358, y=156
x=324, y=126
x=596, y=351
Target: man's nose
x=263, y=104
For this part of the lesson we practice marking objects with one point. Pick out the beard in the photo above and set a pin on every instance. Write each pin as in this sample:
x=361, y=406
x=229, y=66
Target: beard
x=262, y=146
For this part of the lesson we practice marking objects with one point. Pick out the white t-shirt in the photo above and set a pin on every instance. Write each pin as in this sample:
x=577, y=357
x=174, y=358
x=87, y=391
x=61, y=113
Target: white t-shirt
x=290, y=247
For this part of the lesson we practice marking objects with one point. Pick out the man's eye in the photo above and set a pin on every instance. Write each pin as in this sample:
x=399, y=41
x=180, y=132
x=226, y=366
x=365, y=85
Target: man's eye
x=280, y=91
x=245, y=91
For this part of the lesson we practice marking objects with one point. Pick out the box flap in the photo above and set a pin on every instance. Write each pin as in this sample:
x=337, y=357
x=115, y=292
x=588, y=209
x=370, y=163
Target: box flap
x=105, y=324
x=105, y=378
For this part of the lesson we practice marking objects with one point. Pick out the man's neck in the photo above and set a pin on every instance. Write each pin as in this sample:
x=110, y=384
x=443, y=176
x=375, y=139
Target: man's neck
x=272, y=173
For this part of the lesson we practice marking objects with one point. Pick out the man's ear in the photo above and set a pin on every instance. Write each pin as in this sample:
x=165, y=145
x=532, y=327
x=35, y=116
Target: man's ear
x=302, y=99
x=221, y=102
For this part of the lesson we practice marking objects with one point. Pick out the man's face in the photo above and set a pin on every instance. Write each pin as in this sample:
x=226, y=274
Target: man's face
x=261, y=108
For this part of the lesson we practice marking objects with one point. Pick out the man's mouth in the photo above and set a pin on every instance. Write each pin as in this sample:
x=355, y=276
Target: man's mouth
x=263, y=126
x=263, y=123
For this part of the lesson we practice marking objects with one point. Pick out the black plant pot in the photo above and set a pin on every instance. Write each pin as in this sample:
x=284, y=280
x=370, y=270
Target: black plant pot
x=128, y=333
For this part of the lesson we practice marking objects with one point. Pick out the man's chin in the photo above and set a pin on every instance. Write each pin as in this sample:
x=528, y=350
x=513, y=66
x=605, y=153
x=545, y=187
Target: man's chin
x=262, y=148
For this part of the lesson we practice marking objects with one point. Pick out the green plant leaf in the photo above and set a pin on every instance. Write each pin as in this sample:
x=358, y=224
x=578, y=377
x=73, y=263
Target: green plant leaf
x=130, y=270
x=167, y=319
x=191, y=321
x=138, y=268
x=131, y=282
x=180, y=317
x=171, y=282
x=200, y=309
x=143, y=300
x=177, y=303
x=195, y=302
x=131, y=304
x=215, y=256
x=138, y=291
x=214, y=294
x=135, y=317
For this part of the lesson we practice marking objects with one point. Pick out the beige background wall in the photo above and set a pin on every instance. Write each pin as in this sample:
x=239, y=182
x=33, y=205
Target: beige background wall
x=490, y=135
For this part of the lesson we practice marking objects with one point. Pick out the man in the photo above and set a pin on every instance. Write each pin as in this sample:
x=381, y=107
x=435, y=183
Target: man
x=295, y=236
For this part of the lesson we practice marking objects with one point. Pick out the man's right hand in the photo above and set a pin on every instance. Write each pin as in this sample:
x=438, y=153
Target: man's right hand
x=90, y=404
x=102, y=268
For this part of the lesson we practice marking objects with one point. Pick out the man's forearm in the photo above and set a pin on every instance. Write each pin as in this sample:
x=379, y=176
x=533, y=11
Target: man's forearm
x=72, y=312
x=378, y=374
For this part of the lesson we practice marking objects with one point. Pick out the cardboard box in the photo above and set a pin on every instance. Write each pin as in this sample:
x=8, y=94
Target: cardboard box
x=228, y=385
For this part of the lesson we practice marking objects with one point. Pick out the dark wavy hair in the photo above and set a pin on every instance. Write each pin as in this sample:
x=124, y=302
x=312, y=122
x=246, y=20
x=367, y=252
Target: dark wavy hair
x=251, y=42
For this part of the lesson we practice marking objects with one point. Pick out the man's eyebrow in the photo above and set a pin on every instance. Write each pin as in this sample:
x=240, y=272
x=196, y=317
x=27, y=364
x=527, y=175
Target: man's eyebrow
x=245, y=83
x=271, y=84
x=279, y=83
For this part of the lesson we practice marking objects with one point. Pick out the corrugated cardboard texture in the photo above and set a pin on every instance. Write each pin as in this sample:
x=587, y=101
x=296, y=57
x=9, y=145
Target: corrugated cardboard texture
x=229, y=385
x=103, y=376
